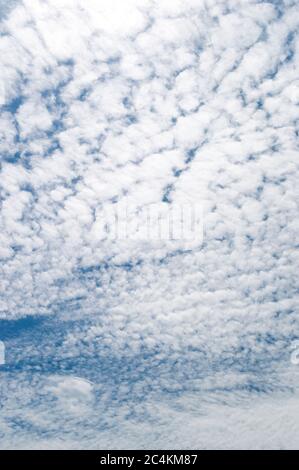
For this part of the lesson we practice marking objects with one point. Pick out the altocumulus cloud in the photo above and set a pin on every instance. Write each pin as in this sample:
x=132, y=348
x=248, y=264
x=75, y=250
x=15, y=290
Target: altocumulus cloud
x=115, y=343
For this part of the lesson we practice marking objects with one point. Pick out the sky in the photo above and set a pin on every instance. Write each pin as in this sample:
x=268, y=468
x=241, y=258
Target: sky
x=135, y=344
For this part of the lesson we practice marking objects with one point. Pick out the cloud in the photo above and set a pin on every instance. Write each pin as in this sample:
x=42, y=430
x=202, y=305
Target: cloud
x=175, y=102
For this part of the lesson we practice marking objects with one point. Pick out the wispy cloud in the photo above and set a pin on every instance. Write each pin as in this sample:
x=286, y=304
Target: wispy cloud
x=180, y=102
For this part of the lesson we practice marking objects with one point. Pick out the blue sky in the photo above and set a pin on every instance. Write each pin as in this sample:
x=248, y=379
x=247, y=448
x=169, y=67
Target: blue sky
x=149, y=344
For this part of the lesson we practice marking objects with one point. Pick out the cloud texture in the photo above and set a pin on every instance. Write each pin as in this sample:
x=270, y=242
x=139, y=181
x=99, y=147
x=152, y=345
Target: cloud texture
x=181, y=102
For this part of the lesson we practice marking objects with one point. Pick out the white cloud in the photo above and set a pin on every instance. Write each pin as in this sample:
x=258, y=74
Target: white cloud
x=149, y=100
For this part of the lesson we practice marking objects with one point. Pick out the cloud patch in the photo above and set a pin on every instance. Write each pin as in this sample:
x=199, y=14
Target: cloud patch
x=175, y=102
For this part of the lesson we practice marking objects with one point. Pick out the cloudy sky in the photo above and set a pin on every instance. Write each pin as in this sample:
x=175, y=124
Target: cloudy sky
x=149, y=344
